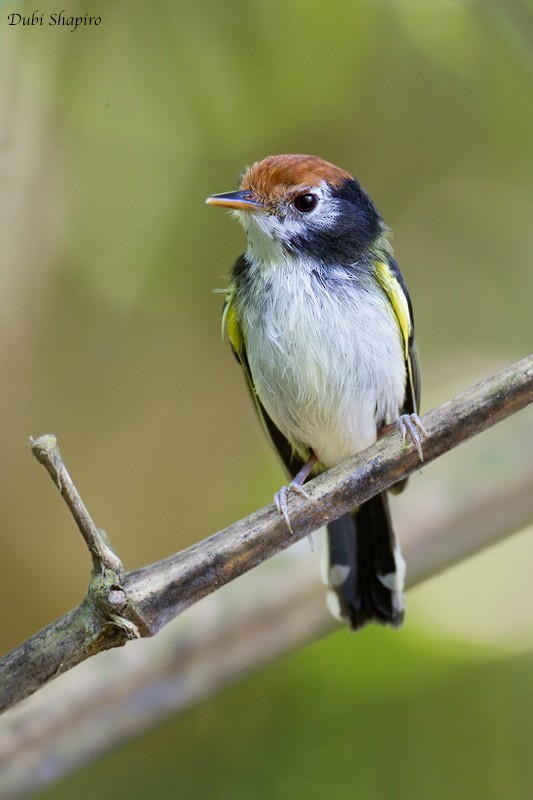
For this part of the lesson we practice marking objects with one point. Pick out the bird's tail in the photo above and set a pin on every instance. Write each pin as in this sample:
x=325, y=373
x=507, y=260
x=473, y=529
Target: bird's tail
x=365, y=568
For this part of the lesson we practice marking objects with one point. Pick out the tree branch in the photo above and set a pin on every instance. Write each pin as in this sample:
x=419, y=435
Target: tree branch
x=253, y=622
x=116, y=609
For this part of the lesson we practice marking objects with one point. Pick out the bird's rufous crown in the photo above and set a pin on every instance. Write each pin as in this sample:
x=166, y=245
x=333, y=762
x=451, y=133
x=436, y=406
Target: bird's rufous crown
x=275, y=176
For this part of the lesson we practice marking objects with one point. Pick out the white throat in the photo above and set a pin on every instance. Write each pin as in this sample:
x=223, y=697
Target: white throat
x=263, y=247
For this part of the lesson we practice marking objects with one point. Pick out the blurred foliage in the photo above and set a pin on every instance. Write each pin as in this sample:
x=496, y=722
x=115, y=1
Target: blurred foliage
x=381, y=716
x=111, y=138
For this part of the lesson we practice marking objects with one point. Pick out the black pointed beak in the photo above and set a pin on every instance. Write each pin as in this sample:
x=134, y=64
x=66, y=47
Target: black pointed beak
x=239, y=201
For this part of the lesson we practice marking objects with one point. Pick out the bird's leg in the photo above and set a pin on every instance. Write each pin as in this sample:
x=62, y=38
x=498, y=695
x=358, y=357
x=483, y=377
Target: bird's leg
x=408, y=425
x=281, y=497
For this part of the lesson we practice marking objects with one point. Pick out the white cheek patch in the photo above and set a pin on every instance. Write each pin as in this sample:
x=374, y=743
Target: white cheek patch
x=267, y=233
x=326, y=212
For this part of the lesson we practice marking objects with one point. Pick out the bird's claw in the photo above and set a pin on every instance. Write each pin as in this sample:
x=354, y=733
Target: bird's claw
x=411, y=425
x=281, y=500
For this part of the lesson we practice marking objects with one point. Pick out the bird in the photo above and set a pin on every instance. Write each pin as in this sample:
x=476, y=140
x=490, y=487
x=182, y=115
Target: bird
x=320, y=320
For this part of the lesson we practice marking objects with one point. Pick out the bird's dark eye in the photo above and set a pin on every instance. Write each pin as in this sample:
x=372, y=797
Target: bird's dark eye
x=305, y=202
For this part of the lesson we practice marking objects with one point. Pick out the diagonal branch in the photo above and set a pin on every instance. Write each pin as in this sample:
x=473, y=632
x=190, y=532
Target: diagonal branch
x=153, y=595
x=242, y=629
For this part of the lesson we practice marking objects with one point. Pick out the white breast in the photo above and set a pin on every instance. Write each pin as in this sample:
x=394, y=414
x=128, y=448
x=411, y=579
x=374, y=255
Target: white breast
x=328, y=364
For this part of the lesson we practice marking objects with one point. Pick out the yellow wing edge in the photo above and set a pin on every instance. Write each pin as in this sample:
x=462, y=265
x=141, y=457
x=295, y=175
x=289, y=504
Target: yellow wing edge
x=400, y=305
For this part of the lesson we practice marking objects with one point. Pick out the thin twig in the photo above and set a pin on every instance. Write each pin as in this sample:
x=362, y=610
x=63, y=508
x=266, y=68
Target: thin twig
x=46, y=451
x=156, y=594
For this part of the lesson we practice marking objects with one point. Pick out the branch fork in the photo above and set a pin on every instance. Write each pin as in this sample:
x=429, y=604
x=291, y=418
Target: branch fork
x=107, y=598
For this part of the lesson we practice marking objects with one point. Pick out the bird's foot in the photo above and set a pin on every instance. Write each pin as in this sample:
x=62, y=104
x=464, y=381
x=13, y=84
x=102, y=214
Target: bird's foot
x=281, y=498
x=410, y=425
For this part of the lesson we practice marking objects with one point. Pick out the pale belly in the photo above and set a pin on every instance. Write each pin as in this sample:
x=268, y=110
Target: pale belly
x=328, y=367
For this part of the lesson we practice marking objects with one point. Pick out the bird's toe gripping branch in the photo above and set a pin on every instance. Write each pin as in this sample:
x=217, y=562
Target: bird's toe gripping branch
x=281, y=498
x=410, y=425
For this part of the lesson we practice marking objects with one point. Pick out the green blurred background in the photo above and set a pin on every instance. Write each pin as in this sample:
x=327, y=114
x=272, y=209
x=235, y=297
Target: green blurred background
x=111, y=137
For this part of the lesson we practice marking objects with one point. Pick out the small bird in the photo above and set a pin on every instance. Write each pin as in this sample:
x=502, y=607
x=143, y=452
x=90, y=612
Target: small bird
x=319, y=318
